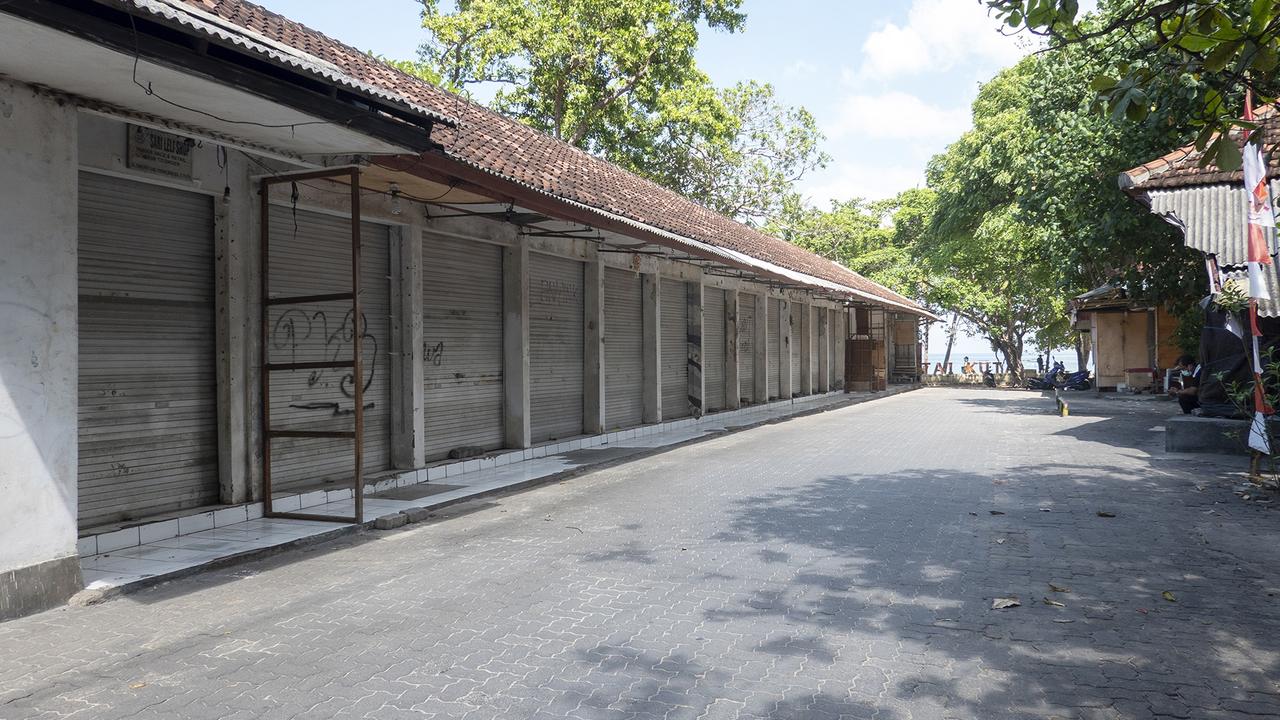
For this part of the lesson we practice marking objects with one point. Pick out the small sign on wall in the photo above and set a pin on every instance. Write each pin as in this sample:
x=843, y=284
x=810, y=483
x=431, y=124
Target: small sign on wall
x=160, y=152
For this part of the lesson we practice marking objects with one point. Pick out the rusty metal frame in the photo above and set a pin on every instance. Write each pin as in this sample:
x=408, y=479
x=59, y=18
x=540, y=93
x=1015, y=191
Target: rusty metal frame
x=356, y=436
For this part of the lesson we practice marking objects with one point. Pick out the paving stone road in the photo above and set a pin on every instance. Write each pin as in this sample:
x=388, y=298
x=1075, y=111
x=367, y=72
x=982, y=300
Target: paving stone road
x=841, y=565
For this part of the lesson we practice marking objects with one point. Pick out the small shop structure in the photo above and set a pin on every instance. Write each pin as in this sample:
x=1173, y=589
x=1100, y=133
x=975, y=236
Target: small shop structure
x=1209, y=207
x=244, y=262
x=1131, y=343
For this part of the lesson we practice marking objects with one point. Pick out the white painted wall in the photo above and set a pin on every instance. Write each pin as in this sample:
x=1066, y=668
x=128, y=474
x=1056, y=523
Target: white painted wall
x=38, y=325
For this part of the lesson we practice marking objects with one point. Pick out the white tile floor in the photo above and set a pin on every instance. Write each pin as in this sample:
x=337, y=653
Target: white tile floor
x=141, y=563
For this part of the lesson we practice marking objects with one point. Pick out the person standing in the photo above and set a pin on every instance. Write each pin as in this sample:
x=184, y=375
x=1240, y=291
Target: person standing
x=1040, y=364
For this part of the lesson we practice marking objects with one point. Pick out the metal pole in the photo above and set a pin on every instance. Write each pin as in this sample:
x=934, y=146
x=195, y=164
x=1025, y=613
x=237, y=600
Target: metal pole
x=357, y=344
x=264, y=372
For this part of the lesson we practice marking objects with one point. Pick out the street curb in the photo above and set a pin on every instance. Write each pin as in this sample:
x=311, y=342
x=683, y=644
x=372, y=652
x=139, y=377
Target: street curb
x=406, y=519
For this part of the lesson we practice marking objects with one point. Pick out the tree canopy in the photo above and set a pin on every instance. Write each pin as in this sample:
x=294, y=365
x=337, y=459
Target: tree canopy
x=1225, y=46
x=989, y=263
x=618, y=78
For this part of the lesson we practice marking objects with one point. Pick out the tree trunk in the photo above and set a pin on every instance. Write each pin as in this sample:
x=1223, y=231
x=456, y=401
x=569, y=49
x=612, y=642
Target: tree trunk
x=951, y=340
x=1011, y=349
x=923, y=330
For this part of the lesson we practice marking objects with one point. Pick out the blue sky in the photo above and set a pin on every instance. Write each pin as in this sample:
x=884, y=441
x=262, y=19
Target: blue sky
x=890, y=83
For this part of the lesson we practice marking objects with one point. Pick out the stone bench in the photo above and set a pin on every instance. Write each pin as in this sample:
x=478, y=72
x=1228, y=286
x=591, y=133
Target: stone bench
x=1191, y=434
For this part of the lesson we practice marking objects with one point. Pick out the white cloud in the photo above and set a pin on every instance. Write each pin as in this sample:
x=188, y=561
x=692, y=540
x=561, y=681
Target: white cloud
x=800, y=68
x=938, y=35
x=846, y=181
x=896, y=115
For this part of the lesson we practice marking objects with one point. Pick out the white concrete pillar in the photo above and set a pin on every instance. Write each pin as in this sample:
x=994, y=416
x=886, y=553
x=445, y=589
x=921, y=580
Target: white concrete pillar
x=761, y=348
x=593, y=400
x=732, y=393
x=806, y=349
x=785, y=391
x=39, y=567
x=824, y=349
x=407, y=371
x=236, y=306
x=651, y=312
x=249, y=285
x=697, y=385
x=516, y=415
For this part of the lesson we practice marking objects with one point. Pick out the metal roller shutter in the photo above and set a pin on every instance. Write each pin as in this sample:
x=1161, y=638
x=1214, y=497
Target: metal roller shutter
x=462, y=345
x=556, y=337
x=713, y=350
x=148, y=420
x=797, y=311
x=623, y=349
x=746, y=347
x=675, y=350
x=310, y=253
x=775, y=348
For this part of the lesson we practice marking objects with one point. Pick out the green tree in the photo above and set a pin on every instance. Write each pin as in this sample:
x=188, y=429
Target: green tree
x=877, y=239
x=618, y=79
x=998, y=283
x=749, y=171
x=987, y=263
x=1070, y=169
x=590, y=72
x=1225, y=46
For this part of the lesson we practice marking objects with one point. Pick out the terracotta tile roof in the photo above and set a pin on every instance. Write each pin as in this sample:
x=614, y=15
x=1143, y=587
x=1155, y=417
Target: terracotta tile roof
x=500, y=145
x=1181, y=167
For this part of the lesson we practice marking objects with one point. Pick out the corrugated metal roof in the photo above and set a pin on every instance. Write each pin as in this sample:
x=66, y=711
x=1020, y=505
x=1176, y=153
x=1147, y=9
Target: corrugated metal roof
x=1266, y=308
x=1212, y=218
x=209, y=24
x=477, y=138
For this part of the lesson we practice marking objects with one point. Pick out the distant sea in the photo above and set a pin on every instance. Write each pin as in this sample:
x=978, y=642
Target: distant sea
x=1068, y=358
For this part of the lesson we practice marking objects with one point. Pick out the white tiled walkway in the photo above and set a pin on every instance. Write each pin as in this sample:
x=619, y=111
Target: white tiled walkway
x=139, y=564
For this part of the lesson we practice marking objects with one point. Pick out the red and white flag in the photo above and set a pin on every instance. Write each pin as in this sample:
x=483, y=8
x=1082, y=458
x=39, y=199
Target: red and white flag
x=1261, y=217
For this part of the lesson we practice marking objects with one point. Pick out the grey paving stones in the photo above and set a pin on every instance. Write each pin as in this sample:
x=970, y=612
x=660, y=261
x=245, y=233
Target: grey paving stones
x=836, y=566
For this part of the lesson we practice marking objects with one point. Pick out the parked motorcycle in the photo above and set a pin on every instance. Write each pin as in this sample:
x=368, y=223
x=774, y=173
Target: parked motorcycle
x=1078, y=380
x=988, y=377
x=1051, y=381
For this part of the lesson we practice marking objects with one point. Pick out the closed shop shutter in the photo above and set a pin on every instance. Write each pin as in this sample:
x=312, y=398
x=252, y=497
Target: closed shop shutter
x=797, y=311
x=746, y=347
x=623, y=349
x=462, y=345
x=556, y=335
x=310, y=254
x=774, y=349
x=675, y=350
x=148, y=418
x=713, y=349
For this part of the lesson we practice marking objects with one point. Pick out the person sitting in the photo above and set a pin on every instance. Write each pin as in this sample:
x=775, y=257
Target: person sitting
x=1189, y=394
x=967, y=367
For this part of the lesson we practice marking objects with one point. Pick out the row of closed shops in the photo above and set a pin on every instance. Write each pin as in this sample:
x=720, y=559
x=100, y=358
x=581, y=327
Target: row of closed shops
x=149, y=415
x=371, y=281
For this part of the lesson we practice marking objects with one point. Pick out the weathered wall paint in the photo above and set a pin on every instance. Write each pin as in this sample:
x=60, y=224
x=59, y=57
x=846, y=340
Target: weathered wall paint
x=38, y=362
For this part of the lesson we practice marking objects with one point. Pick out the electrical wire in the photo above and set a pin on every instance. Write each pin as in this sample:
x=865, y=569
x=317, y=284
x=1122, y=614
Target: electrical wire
x=151, y=92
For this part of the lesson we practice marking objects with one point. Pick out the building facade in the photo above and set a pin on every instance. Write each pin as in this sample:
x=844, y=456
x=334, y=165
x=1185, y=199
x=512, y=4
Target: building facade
x=242, y=260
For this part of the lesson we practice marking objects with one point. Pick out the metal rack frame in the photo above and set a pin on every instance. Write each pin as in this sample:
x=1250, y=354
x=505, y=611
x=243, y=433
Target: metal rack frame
x=356, y=436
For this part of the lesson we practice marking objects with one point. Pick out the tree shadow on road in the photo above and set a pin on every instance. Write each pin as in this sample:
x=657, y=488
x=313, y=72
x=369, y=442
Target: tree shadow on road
x=913, y=591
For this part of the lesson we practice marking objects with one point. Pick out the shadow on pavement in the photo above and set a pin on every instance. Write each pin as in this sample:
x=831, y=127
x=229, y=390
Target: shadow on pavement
x=1115, y=648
